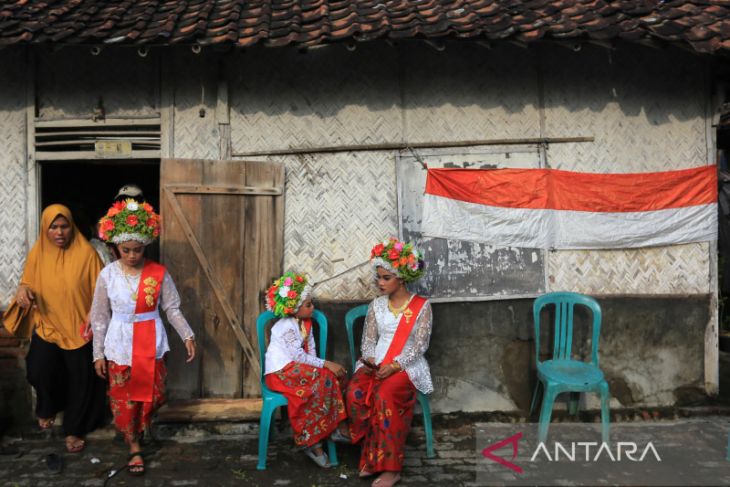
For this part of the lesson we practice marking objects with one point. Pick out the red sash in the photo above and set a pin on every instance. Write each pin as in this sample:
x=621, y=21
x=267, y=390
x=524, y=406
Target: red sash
x=144, y=342
x=307, y=325
x=407, y=320
x=405, y=326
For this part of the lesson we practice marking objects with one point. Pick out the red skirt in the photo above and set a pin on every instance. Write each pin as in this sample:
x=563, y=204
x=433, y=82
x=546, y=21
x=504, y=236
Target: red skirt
x=315, y=400
x=132, y=417
x=381, y=419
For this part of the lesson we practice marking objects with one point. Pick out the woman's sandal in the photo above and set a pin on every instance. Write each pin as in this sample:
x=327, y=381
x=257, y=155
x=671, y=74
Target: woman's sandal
x=136, y=468
x=46, y=423
x=380, y=482
x=320, y=460
x=75, y=445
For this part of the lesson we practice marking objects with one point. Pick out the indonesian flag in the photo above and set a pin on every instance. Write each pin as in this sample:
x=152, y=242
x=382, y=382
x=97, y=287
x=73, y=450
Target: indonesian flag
x=549, y=208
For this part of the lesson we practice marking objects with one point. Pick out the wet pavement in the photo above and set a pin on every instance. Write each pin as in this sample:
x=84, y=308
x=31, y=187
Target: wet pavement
x=223, y=454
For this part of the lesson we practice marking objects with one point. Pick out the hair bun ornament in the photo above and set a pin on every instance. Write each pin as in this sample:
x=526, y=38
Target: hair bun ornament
x=129, y=221
x=287, y=293
x=400, y=258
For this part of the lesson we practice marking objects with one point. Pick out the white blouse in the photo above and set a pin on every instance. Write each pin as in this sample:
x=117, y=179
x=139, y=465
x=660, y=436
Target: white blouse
x=287, y=345
x=112, y=315
x=380, y=327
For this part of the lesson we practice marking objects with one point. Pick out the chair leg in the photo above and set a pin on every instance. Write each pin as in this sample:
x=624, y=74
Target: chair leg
x=332, y=453
x=605, y=412
x=573, y=404
x=264, y=429
x=546, y=412
x=534, y=397
x=428, y=429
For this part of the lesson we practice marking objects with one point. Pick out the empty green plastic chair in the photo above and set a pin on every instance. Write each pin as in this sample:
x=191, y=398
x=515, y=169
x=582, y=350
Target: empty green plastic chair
x=360, y=312
x=273, y=400
x=562, y=373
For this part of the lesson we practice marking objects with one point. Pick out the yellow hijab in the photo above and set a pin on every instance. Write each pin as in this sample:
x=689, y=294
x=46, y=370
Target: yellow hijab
x=63, y=281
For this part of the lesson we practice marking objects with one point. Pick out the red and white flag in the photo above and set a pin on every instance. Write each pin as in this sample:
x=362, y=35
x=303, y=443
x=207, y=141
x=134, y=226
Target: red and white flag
x=549, y=208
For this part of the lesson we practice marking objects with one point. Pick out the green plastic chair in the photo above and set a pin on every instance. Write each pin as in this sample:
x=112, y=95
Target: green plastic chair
x=562, y=373
x=360, y=312
x=273, y=400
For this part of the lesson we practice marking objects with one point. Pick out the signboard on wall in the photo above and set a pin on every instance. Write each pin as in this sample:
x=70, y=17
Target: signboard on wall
x=460, y=270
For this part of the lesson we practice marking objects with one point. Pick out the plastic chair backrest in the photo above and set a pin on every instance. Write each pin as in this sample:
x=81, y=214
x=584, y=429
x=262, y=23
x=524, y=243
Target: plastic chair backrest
x=564, y=303
x=352, y=315
x=267, y=316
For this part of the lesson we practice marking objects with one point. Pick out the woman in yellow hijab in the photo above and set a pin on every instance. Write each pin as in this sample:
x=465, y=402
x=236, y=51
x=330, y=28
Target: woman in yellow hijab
x=58, y=286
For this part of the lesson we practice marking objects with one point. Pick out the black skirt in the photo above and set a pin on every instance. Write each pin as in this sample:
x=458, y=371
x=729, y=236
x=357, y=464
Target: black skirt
x=65, y=380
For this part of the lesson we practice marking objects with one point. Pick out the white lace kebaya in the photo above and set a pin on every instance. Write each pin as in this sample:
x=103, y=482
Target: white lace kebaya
x=112, y=315
x=380, y=327
x=287, y=345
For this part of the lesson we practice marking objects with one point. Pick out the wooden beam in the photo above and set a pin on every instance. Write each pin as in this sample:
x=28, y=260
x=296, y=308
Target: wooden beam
x=233, y=320
x=109, y=134
x=232, y=189
x=417, y=145
x=61, y=143
x=72, y=155
x=86, y=122
x=206, y=410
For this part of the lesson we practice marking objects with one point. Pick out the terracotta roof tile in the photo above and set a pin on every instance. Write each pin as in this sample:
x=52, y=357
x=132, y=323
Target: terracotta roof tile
x=702, y=24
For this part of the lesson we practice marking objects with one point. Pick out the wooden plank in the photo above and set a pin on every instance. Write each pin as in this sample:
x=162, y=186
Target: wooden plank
x=183, y=380
x=33, y=190
x=225, y=189
x=61, y=143
x=223, y=215
x=215, y=284
x=105, y=133
x=72, y=155
x=86, y=122
x=263, y=252
x=207, y=410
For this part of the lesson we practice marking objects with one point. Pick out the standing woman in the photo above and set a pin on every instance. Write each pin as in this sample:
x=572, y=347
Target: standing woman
x=130, y=341
x=382, y=392
x=57, y=286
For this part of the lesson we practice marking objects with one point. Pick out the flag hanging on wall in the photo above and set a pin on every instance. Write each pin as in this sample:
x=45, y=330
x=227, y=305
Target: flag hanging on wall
x=549, y=208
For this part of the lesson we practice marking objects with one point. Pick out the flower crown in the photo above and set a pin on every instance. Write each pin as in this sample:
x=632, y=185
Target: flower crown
x=287, y=294
x=128, y=220
x=400, y=258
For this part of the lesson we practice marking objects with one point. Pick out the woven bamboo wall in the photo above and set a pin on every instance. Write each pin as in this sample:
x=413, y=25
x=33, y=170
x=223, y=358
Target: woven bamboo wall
x=70, y=83
x=195, y=136
x=646, y=111
x=644, y=108
x=338, y=205
x=13, y=180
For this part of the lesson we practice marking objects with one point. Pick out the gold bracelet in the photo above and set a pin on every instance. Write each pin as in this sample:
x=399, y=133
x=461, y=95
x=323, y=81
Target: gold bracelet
x=396, y=365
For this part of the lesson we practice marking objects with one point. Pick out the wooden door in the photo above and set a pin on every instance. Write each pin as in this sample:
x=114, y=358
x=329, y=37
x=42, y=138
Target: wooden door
x=222, y=243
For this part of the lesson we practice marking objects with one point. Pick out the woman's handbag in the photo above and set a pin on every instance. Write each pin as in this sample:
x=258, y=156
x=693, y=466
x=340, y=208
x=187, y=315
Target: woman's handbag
x=18, y=321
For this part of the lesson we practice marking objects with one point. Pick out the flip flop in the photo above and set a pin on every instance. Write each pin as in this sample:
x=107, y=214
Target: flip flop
x=365, y=474
x=138, y=466
x=73, y=447
x=54, y=463
x=320, y=460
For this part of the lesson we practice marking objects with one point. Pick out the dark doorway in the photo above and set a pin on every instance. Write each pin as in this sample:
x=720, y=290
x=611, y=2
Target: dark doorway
x=88, y=188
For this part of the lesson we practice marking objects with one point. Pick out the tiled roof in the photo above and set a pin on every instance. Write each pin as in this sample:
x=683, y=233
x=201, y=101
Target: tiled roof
x=702, y=24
